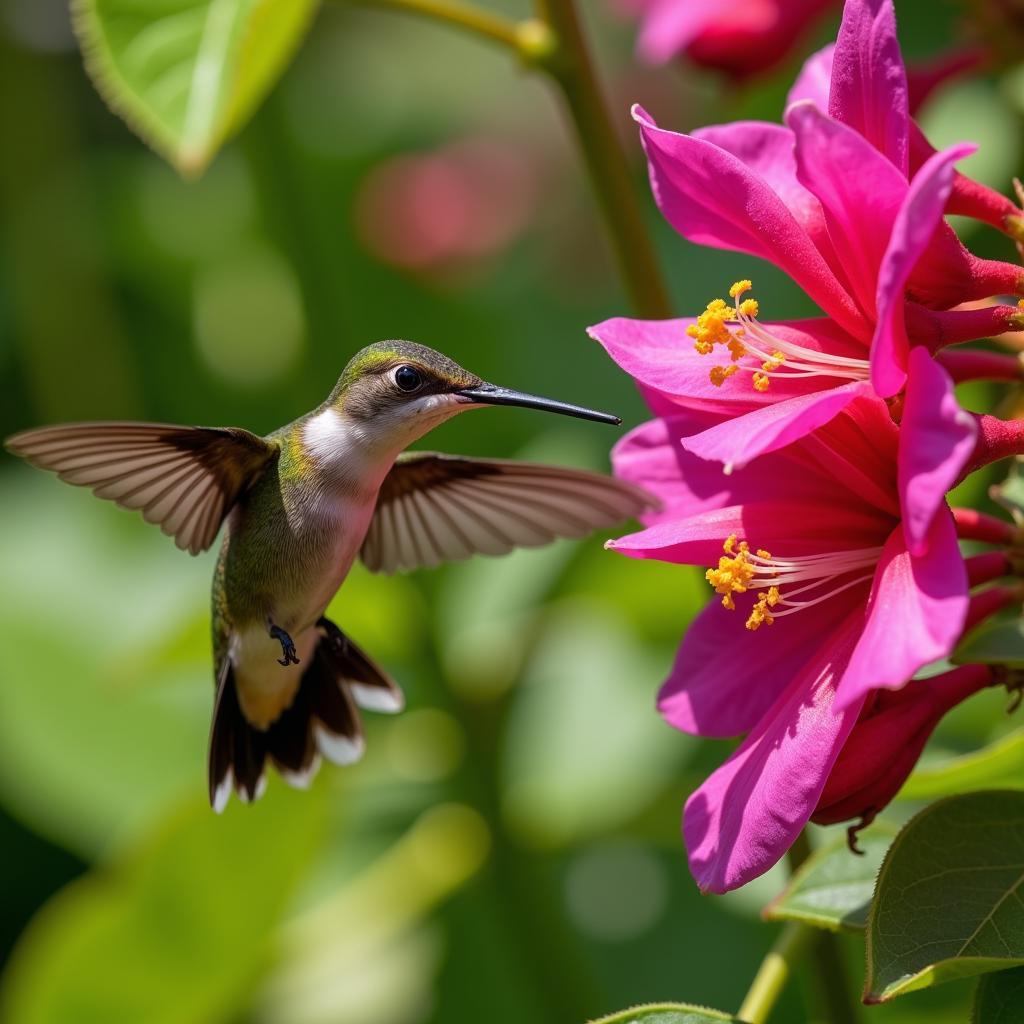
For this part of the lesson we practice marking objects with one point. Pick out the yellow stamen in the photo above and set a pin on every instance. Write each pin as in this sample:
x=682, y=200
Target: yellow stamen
x=739, y=288
x=761, y=382
x=720, y=374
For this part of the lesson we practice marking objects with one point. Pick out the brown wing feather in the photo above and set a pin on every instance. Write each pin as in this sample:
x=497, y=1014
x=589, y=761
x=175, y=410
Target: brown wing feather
x=436, y=508
x=184, y=479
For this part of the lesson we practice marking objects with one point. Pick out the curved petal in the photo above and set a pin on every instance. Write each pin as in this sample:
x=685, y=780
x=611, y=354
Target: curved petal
x=937, y=438
x=726, y=677
x=860, y=207
x=912, y=232
x=747, y=814
x=790, y=527
x=710, y=197
x=738, y=440
x=915, y=615
x=815, y=79
x=658, y=354
x=869, y=82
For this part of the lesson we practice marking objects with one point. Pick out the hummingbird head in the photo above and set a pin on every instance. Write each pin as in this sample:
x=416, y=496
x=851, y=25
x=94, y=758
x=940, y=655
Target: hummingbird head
x=394, y=392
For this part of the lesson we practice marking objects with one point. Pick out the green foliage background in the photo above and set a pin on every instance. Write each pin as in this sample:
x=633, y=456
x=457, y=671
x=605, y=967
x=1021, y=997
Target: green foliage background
x=508, y=851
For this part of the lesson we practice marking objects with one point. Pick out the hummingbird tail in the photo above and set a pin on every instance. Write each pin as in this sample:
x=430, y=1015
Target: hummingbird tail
x=322, y=721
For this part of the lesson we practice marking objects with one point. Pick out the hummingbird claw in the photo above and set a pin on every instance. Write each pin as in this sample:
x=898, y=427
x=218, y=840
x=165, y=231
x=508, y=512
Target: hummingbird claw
x=287, y=646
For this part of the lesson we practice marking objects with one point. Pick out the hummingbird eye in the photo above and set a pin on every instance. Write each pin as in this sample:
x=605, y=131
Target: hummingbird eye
x=408, y=379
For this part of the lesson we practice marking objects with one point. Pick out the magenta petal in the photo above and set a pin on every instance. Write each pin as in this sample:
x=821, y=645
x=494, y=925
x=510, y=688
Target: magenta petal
x=726, y=677
x=869, y=81
x=738, y=440
x=915, y=614
x=747, y=814
x=710, y=197
x=913, y=230
x=815, y=79
x=860, y=207
x=937, y=438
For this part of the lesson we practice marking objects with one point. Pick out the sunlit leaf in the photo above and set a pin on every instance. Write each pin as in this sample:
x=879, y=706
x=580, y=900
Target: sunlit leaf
x=177, y=930
x=947, y=901
x=666, y=1013
x=832, y=888
x=1000, y=998
x=999, y=765
x=186, y=74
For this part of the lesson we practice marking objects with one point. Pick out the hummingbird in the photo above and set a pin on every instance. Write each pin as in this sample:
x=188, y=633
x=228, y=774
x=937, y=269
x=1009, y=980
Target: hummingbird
x=300, y=505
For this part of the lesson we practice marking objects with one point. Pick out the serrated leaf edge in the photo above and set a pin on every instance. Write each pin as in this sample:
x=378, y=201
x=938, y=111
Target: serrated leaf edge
x=623, y=1016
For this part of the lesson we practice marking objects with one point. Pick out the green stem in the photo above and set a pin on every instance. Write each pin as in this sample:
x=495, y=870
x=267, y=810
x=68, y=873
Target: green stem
x=571, y=67
x=554, y=42
x=834, y=995
x=774, y=972
x=469, y=17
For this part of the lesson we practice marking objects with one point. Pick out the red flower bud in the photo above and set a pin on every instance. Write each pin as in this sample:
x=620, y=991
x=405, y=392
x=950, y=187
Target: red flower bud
x=887, y=740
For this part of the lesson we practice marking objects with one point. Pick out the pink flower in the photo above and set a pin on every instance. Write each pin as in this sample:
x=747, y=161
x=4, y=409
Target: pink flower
x=825, y=600
x=827, y=199
x=741, y=38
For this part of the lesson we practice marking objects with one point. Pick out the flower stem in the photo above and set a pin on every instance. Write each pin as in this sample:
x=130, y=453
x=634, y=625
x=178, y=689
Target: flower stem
x=774, y=972
x=571, y=67
x=835, y=997
x=469, y=17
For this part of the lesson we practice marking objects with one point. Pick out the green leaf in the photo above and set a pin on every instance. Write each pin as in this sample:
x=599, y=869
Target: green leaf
x=1000, y=642
x=1000, y=764
x=1010, y=493
x=187, y=74
x=178, y=930
x=665, y=1013
x=832, y=888
x=1000, y=998
x=948, y=901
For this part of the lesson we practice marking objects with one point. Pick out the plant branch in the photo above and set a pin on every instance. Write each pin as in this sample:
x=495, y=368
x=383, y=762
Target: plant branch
x=570, y=66
x=469, y=17
x=774, y=972
x=835, y=997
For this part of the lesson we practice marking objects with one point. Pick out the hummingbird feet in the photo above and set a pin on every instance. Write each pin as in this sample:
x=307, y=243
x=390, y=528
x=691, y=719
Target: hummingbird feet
x=287, y=647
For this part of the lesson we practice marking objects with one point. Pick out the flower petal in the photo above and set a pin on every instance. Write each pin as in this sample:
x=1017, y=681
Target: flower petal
x=915, y=614
x=937, y=438
x=912, y=232
x=859, y=208
x=658, y=354
x=815, y=79
x=747, y=814
x=710, y=197
x=726, y=677
x=738, y=440
x=869, y=81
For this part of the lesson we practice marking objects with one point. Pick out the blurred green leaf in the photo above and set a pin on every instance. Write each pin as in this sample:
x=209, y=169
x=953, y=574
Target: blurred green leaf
x=585, y=750
x=947, y=901
x=177, y=930
x=1000, y=765
x=1010, y=493
x=832, y=888
x=665, y=1013
x=1000, y=642
x=1000, y=998
x=183, y=74
x=106, y=682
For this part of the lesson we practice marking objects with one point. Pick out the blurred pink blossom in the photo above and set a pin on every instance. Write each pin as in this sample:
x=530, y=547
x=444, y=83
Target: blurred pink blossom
x=450, y=208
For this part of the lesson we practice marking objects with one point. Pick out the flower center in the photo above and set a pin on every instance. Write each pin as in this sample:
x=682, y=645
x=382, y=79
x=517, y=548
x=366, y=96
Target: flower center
x=817, y=578
x=779, y=358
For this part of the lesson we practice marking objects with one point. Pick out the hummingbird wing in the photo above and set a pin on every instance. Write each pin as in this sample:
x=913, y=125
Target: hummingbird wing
x=185, y=479
x=436, y=508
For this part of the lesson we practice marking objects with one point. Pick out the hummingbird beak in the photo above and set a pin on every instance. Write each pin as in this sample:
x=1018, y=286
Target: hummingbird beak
x=489, y=394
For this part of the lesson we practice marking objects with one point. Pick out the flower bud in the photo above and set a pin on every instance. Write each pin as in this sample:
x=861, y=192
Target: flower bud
x=886, y=742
